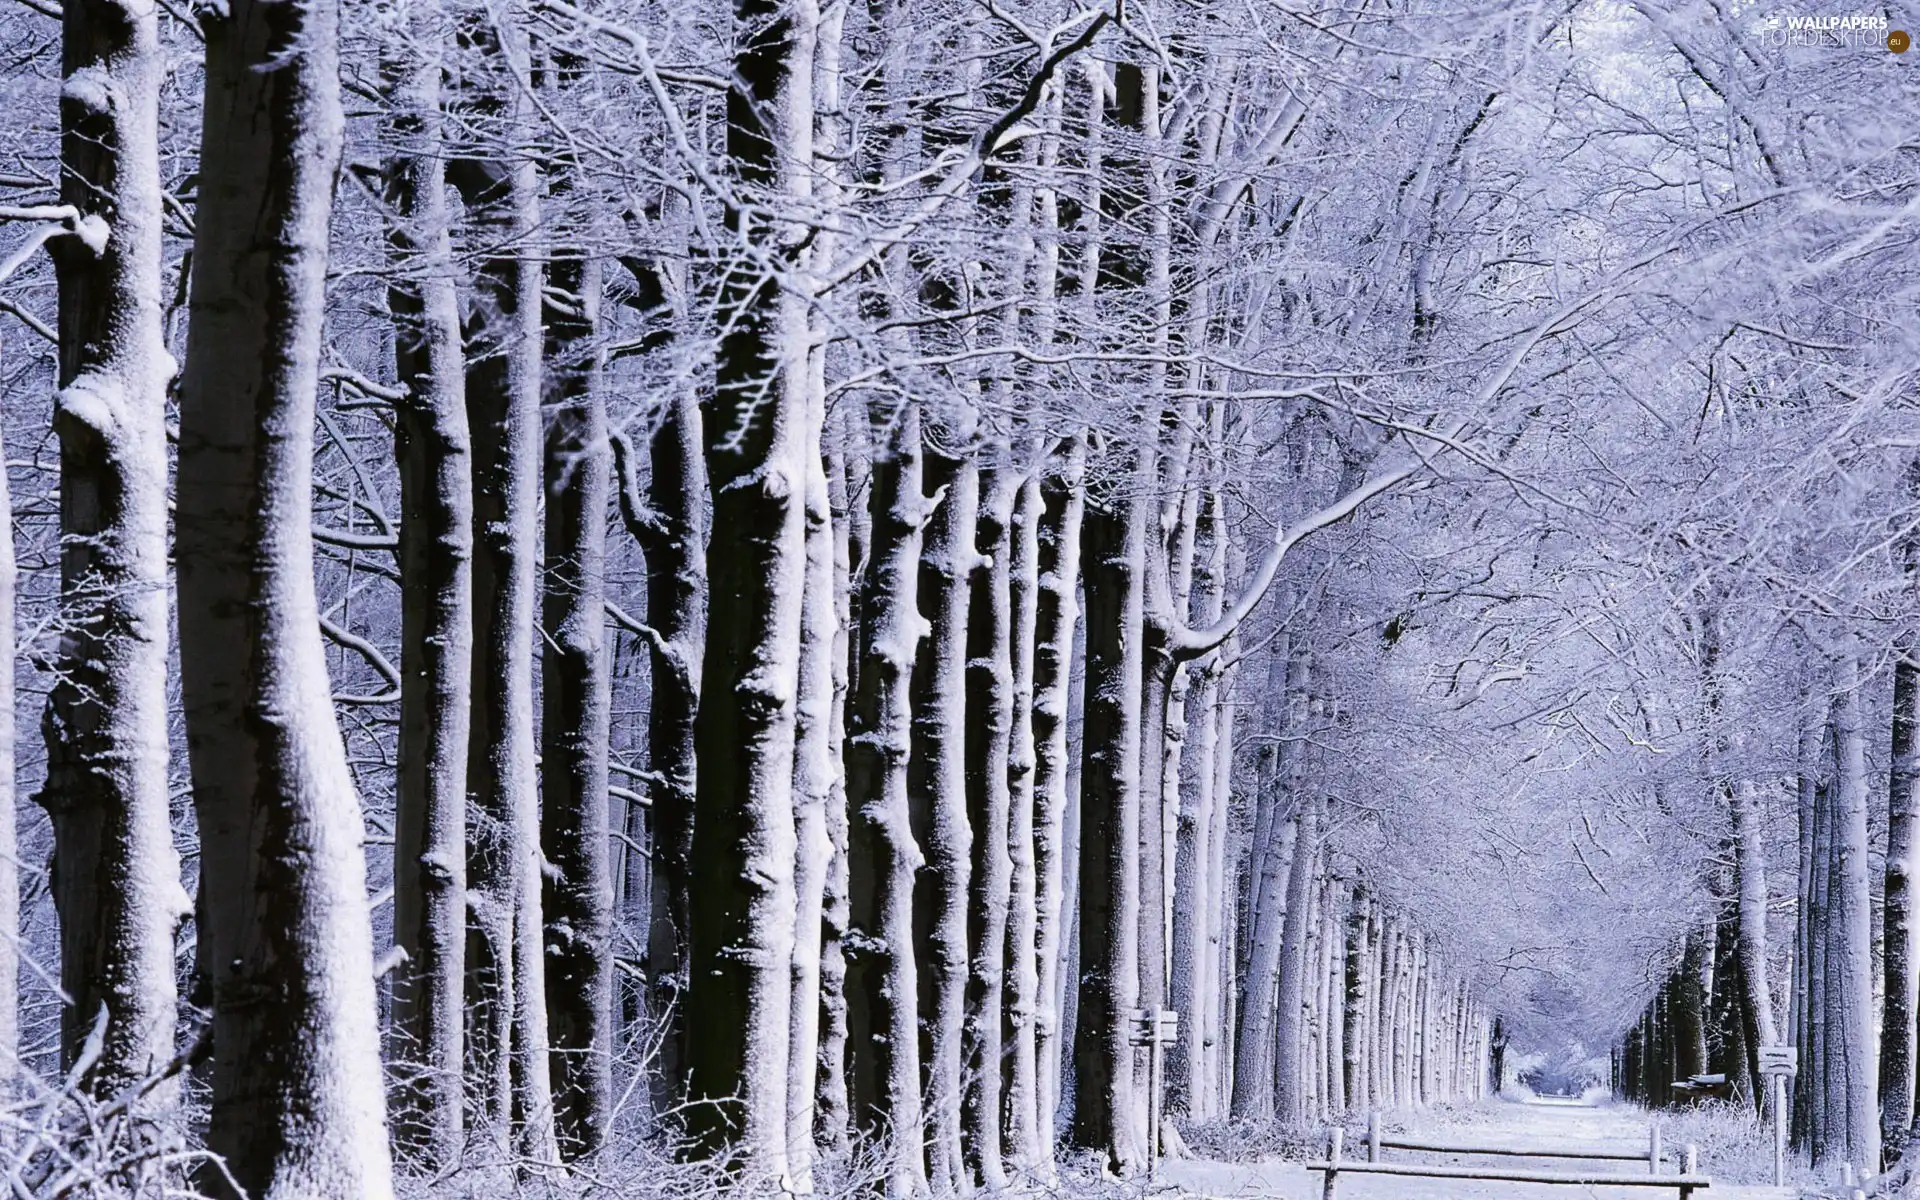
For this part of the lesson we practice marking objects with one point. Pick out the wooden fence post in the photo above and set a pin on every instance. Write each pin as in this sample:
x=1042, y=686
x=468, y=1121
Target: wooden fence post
x=1333, y=1165
x=1373, y=1136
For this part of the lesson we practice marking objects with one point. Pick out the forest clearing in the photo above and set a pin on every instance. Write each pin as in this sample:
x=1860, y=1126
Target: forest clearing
x=919, y=598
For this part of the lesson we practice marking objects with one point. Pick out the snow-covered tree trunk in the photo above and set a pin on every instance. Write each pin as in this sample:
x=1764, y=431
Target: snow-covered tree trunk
x=1114, y=559
x=1302, y=880
x=576, y=700
x=1354, y=981
x=1901, y=931
x=760, y=448
x=435, y=457
x=831, y=1124
x=1196, y=911
x=937, y=785
x=1026, y=1147
x=9, y=841
x=506, y=966
x=1271, y=895
x=816, y=772
x=1854, y=1051
x=115, y=877
x=1217, y=1044
x=1056, y=616
x=1817, y=1074
x=1690, y=1008
x=1750, y=875
x=882, y=1013
x=827, y=1106
x=989, y=698
x=297, y=1106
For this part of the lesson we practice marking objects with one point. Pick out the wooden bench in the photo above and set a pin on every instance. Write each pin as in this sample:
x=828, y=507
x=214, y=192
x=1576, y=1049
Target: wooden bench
x=1687, y=1182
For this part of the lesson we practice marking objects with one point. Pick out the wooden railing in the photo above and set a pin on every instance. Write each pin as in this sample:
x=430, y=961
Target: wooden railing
x=1687, y=1182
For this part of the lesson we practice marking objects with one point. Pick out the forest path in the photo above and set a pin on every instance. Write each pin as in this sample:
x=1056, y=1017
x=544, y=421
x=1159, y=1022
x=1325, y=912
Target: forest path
x=1541, y=1122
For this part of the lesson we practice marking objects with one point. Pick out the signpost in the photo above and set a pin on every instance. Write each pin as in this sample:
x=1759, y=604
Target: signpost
x=1777, y=1065
x=1153, y=1029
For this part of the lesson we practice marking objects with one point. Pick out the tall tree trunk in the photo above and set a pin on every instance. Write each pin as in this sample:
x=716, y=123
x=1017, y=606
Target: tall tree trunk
x=1855, y=1052
x=1750, y=876
x=1195, y=909
x=831, y=1116
x=988, y=744
x=435, y=456
x=1222, y=951
x=576, y=699
x=297, y=1105
x=1289, y=1069
x=506, y=967
x=816, y=772
x=1113, y=552
x=937, y=787
x=1056, y=615
x=116, y=877
x=1901, y=932
x=9, y=841
x=1354, y=981
x=759, y=431
x=672, y=530
x=826, y=1106
x=1026, y=1148
x=1690, y=1008
x=882, y=1015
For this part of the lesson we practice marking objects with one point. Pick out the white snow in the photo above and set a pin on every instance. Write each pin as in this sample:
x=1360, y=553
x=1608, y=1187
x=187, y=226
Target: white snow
x=1533, y=1122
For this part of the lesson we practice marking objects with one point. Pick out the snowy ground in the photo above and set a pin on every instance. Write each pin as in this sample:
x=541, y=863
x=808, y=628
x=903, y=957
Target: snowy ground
x=1530, y=1123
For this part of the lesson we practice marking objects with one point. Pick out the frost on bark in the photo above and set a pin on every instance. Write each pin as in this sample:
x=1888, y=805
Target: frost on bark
x=577, y=894
x=827, y=1105
x=1852, y=1025
x=435, y=458
x=816, y=775
x=883, y=1039
x=1056, y=616
x=1750, y=881
x=9, y=842
x=1290, y=1067
x=1113, y=541
x=507, y=1047
x=1902, y=950
x=115, y=877
x=1196, y=909
x=1270, y=888
x=759, y=451
x=297, y=1109
x=988, y=700
x=937, y=787
x=831, y=1117
x=1026, y=1149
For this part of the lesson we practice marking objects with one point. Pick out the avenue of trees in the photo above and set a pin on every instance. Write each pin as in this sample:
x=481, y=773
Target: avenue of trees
x=603, y=584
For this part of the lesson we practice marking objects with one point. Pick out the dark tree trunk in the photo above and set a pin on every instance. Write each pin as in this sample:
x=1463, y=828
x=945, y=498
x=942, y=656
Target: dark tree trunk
x=577, y=896
x=297, y=1107
x=435, y=457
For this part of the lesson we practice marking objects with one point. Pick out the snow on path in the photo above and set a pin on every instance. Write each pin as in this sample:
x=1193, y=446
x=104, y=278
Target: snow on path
x=1533, y=1122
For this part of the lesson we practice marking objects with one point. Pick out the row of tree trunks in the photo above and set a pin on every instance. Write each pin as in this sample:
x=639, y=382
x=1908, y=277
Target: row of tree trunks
x=1714, y=1009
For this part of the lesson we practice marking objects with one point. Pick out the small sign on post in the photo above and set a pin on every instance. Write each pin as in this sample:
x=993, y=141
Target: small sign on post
x=1780, y=1060
x=1777, y=1065
x=1153, y=1029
